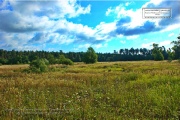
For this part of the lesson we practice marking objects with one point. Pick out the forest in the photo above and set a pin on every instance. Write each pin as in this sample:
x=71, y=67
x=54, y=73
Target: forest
x=26, y=57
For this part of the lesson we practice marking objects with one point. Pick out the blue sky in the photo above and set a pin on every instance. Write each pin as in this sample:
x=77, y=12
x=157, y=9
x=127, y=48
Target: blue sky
x=75, y=25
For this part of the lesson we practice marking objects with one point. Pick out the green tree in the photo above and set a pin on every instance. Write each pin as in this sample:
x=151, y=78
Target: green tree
x=157, y=53
x=176, y=48
x=90, y=56
x=170, y=55
x=39, y=65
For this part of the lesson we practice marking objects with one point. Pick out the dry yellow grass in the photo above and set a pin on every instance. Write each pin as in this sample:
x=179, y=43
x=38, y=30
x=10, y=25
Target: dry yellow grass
x=111, y=90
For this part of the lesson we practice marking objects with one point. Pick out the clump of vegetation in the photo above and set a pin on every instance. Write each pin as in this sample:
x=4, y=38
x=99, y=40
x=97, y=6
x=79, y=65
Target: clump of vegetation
x=39, y=65
x=157, y=53
x=63, y=60
x=90, y=56
x=176, y=48
x=170, y=55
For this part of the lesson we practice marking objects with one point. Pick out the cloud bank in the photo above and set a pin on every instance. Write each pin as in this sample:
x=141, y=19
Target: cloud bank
x=26, y=25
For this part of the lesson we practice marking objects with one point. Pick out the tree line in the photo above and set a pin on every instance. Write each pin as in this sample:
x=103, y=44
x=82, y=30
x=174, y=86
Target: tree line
x=157, y=53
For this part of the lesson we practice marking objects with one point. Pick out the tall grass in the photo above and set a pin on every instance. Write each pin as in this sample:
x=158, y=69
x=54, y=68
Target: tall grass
x=117, y=90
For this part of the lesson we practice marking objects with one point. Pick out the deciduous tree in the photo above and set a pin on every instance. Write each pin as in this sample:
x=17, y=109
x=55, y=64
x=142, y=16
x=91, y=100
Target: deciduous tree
x=90, y=56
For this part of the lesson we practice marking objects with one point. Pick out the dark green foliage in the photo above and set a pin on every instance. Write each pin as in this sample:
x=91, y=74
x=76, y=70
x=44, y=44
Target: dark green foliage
x=39, y=65
x=157, y=53
x=3, y=61
x=67, y=62
x=51, y=59
x=158, y=56
x=90, y=56
x=176, y=48
x=170, y=56
x=63, y=60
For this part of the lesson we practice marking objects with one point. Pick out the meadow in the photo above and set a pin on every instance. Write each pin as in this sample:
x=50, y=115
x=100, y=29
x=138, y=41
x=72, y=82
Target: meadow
x=107, y=91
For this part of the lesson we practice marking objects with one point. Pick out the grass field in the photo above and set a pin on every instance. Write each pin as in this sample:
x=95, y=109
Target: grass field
x=114, y=90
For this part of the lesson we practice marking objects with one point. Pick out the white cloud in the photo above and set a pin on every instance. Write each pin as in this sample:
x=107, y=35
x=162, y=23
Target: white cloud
x=47, y=22
x=108, y=12
x=171, y=34
x=171, y=27
x=147, y=45
x=25, y=26
x=97, y=46
x=120, y=36
x=132, y=37
x=103, y=29
x=165, y=43
x=84, y=46
x=155, y=2
x=52, y=9
x=120, y=11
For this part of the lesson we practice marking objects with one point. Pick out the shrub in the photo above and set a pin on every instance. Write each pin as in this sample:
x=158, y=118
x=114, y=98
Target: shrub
x=39, y=65
x=67, y=62
x=63, y=60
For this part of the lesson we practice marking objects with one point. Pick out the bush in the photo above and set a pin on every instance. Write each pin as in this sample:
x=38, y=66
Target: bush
x=39, y=65
x=90, y=56
x=63, y=60
x=67, y=62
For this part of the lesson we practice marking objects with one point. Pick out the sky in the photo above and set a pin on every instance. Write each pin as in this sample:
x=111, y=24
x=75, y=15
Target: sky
x=75, y=25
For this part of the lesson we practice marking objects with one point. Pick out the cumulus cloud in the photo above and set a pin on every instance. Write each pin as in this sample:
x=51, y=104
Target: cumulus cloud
x=130, y=22
x=124, y=20
x=52, y=9
x=39, y=19
x=145, y=28
x=16, y=22
x=28, y=24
